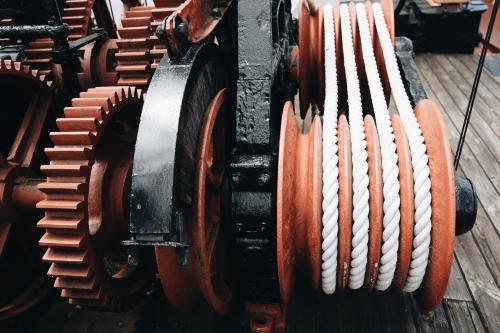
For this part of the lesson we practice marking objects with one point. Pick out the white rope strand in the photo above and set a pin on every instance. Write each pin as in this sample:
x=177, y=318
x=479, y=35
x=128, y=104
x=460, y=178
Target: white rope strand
x=330, y=160
x=359, y=254
x=390, y=170
x=422, y=184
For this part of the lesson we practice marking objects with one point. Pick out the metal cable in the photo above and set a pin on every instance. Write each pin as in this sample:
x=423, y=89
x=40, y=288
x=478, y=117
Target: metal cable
x=479, y=71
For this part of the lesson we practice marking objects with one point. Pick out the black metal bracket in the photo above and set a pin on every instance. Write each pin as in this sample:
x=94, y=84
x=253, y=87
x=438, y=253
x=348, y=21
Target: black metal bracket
x=13, y=52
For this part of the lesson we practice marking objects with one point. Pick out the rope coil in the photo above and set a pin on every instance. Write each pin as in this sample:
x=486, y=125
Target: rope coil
x=360, y=227
x=389, y=158
x=422, y=183
x=330, y=160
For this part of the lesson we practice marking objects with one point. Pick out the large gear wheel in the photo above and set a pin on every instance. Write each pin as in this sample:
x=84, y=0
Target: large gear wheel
x=29, y=106
x=87, y=204
x=207, y=271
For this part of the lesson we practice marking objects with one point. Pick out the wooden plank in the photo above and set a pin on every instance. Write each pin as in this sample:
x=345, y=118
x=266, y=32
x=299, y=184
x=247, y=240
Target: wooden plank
x=480, y=281
x=485, y=101
x=396, y=312
x=430, y=322
x=486, y=236
x=80, y=322
x=304, y=307
x=487, y=87
x=476, y=171
x=475, y=60
x=458, y=312
x=350, y=311
x=475, y=318
x=54, y=320
x=457, y=288
x=471, y=261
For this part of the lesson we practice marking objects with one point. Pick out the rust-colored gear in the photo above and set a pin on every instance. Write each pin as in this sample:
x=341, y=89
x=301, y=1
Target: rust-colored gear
x=30, y=101
x=207, y=272
x=140, y=50
x=77, y=15
x=87, y=204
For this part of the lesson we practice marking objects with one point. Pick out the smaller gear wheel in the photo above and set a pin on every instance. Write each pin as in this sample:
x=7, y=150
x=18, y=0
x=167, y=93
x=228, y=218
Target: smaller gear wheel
x=87, y=204
x=29, y=101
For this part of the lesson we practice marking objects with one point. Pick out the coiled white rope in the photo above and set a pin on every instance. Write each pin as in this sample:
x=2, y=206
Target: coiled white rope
x=390, y=170
x=422, y=183
x=330, y=160
x=359, y=254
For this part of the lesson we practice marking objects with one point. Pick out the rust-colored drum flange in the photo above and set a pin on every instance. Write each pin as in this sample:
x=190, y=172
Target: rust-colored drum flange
x=406, y=207
x=207, y=273
x=341, y=79
x=345, y=204
x=319, y=56
x=431, y=292
x=311, y=57
x=377, y=47
x=376, y=202
x=358, y=56
x=388, y=10
x=299, y=196
x=371, y=20
x=306, y=38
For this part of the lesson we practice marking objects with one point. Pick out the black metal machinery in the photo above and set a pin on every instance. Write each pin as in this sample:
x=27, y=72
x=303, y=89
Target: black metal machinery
x=451, y=28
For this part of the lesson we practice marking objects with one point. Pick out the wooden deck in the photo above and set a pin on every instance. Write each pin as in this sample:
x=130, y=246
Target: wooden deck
x=472, y=302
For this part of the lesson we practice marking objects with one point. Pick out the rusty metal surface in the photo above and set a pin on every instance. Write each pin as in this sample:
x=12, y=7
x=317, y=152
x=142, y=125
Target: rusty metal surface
x=31, y=102
x=200, y=16
x=406, y=208
x=88, y=199
x=298, y=203
x=207, y=271
x=311, y=58
x=376, y=200
x=345, y=203
x=442, y=175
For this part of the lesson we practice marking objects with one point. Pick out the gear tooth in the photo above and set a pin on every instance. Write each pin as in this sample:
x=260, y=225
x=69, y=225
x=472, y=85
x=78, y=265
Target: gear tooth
x=78, y=124
x=128, y=91
x=84, y=138
x=69, y=270
x=85, y=112
x=132, y=91
x=35, y=73
x=140, y=94
x=73, y=241
x=73, y=153
x=65, y=257
x=54, y=223
x=8, y=64
x=74, y=170
x=95, y=294
x=69, y=283
x=104, y=102
x=100, y=303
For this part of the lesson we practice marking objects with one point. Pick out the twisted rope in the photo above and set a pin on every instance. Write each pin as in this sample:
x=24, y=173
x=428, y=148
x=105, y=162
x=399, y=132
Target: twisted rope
x=330, y=161
x=422, y=183
x=359, y=253
x=390, y=170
